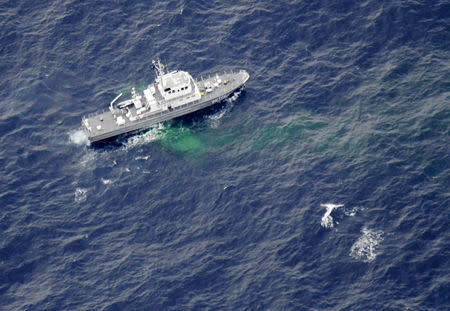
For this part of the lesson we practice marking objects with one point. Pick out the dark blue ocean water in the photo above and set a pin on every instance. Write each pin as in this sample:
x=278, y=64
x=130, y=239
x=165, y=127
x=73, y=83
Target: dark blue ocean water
x=324, y=185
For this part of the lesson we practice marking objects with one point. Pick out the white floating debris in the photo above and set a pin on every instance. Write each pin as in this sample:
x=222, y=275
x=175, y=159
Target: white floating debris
x=327, y=220
x=365, y=248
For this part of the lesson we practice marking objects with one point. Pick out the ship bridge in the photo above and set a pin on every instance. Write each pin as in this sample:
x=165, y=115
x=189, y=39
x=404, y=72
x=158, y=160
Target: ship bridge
x=175, y=84
x=174, y=81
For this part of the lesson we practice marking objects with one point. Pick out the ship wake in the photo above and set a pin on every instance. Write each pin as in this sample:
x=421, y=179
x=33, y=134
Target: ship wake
x=78, y=137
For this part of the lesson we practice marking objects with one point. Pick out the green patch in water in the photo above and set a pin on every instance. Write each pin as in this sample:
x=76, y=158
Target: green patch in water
x=182, y=140
x=280, y=135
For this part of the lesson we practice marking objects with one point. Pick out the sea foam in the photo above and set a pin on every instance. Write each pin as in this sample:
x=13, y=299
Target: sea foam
x=78, y=137
x=365, y=248
x=151, y=135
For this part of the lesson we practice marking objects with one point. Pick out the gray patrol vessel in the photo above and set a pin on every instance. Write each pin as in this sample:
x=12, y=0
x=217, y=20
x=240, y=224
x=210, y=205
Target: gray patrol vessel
x=172, y=95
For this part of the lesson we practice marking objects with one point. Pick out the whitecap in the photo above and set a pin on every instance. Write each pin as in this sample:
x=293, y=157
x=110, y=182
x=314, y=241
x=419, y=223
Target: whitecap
x=106, y=181
x=327, y=220
x=78, y=137
x=80, y=195
x=142, y=158
x=365, y=248
x=352, y=211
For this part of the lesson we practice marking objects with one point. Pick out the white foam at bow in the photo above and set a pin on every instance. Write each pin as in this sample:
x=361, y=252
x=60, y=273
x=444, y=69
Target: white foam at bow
x=365, y=248
x=214, y=120
x=327, y=220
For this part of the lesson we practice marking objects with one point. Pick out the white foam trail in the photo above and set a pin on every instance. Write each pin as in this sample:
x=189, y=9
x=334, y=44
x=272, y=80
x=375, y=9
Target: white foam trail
x=218, y=116
x=327, y=220
x=88, y=158
x=80, y=195
x=144, y=138
x=365, y=248
x=214, y=120
x=78, y=137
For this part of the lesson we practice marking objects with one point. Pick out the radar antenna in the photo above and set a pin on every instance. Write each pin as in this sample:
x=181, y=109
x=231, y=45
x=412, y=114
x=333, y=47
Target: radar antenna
x=158, y=67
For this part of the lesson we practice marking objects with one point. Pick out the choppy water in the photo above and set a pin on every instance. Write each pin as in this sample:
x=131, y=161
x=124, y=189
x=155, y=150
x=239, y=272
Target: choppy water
x=324, y=185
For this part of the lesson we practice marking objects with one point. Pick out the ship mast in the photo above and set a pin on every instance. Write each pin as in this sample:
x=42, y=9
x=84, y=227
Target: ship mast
x=158, y=67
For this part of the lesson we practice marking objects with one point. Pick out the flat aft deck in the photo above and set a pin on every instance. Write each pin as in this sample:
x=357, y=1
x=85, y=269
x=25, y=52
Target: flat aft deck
x=103, y=125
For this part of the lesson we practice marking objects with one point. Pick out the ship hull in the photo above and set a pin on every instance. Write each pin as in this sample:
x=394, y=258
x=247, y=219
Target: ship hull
x=153, y=120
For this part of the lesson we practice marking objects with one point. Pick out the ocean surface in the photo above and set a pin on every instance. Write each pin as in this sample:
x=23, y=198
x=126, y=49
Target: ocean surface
x=323, y=185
